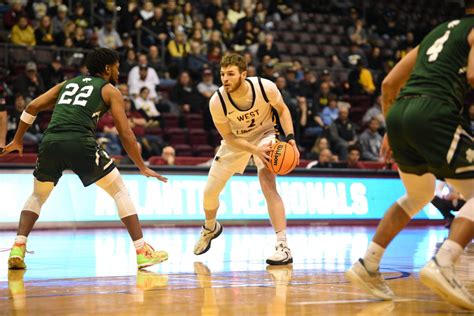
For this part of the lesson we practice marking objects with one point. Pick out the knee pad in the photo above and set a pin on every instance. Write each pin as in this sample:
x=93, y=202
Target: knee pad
x=467, y=210
x=113, y=184
x=412, y=205
x=420, y=191
x=212, y=190
x=41, y=192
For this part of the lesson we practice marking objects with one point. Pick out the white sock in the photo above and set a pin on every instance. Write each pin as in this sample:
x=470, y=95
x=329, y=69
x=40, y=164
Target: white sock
x=281, y=235
x=373, y=256
x=210, y=224
x=449, y=253
x=139, y=243
x=20, y=239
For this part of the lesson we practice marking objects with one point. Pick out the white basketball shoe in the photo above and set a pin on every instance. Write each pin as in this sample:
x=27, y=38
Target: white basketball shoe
x=443, y=281
x=204, y=242
x=372, y=282
x=282, y=255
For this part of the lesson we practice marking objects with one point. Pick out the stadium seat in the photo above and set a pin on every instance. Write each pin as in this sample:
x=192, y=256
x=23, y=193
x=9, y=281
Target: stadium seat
x=313, y=50
x=156, y=160
x=304, y=59
x=20, y=55
x=328, y=50
x=3, y=55
x=43, y=56
x=175, y=135
x=335, y=39
x=306, y=17
x=296, y=49
x=320, y=39
x=319, y=62
x=215, y=138
x=282, y=48
x=203, y=150
x=170, y=120
x=154, y=130
x=312, y=28
x=373, y=165
x=303, y=163
x=190, y=161
x=198, y=137
x=286, y=58
x=15, y=158
x=194, y=120
x=289, y=37
x=306, y=37
x=183, y=150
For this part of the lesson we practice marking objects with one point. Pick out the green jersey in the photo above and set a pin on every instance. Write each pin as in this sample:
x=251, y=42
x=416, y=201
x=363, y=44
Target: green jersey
x=78, y=109
x=441, y=65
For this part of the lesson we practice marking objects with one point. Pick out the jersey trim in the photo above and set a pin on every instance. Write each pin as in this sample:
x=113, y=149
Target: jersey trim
x=101, y=96
x=224, y=108
x=263, y=90
x=253, y=98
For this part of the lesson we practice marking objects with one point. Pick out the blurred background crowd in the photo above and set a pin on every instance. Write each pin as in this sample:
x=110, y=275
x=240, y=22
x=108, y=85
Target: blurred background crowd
x=328, y=59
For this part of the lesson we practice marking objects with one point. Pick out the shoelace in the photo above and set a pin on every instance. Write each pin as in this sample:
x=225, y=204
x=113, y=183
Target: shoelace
x=8, y=249
x=282, y=247
x=149, y=250
x=206, y=231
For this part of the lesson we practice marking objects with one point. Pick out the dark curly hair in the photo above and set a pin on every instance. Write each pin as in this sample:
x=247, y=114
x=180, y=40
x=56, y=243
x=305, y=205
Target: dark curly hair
x=99, y=58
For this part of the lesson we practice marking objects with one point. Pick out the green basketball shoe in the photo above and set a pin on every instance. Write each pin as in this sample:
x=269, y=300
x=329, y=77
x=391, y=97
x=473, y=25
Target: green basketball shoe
x=16, y=260
x=147, y=256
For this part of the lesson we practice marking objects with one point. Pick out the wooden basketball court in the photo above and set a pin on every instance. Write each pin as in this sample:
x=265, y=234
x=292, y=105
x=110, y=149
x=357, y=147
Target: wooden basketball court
x=93, y=272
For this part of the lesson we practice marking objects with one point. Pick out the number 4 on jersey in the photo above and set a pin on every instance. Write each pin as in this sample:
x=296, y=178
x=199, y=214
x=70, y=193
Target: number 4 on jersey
x=435, y=49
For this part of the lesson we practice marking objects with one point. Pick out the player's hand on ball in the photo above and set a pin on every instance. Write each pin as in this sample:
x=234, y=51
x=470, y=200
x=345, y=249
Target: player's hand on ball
x=13, y=146
x=263, y=151
x=297, y=152
x=147, y=172
x=385, y=150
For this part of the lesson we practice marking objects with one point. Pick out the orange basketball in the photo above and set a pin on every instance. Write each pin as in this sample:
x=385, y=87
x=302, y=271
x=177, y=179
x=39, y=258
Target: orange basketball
x=282, y=158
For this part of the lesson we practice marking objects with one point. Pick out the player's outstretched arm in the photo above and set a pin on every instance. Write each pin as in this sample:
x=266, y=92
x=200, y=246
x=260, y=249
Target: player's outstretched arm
x=114, y=99
x=45, y=101
x=397, y=78
x=470, y=62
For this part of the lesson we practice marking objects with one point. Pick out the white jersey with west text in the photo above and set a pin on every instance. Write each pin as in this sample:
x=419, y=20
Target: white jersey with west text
x=257, y=119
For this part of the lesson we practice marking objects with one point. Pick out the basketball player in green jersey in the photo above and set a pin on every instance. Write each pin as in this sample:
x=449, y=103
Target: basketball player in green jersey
x=423, y=100
x=69, y=143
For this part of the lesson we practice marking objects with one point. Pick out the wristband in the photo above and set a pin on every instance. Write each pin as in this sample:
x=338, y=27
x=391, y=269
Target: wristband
x=27, y=118
x=290, y=137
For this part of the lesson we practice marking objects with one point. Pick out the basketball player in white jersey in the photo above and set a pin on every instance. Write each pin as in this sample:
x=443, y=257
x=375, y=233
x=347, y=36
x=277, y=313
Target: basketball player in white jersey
x=242, y=110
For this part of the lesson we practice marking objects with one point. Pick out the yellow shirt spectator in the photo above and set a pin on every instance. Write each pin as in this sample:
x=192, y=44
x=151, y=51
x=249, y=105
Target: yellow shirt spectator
x=178, y=47
x=366, y=80
x=23, y=33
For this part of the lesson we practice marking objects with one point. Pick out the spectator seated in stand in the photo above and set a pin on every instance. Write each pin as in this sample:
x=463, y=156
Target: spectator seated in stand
x=371, y=141
x=342, y=133
x=353, y=158
x=326, y=160
x=169, y=155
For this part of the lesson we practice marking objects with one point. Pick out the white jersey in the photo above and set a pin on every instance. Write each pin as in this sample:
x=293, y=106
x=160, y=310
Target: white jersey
x=257, y=120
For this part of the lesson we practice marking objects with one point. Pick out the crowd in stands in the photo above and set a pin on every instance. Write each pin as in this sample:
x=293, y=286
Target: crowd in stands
x=328, y=59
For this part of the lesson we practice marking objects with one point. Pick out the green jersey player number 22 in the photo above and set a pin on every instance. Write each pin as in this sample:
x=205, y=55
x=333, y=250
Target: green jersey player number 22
x=70, y=94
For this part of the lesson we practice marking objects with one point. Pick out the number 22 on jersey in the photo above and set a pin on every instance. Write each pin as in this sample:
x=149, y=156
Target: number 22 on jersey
x=71, y=94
